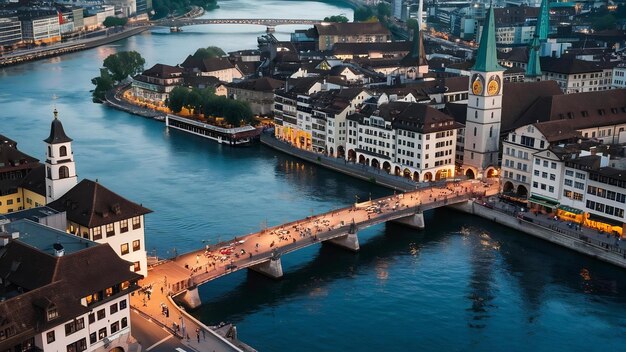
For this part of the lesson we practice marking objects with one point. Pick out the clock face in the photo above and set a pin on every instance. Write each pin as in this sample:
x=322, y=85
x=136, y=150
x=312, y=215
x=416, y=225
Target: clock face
x=477, y=85
x=493, y=87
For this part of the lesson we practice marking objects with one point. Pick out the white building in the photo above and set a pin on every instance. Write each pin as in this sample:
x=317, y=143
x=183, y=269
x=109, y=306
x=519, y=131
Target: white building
x=63, y=308
x=619, y=76
x=42, y=29
x=60, y=165
x=96, y=213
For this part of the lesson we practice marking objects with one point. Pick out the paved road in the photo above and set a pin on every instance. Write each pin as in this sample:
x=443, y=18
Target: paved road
x=151, y=336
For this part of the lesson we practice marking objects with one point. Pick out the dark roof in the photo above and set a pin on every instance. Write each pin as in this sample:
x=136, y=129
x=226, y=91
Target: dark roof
x=57, y=134
x=204, y=81
x=351, y=28
x=417, y=56
x=518, y=98
x=90, y=204
x=207, y=65
x=557, y=131
x=570, y=65
x=416, y=117
x=35, y=180
x=366, y=48
x=8, y=141
x=163, y=71
x=458, y=111
x=514, y=14
x=264, y=84
x=50, y=281
x=14, y=161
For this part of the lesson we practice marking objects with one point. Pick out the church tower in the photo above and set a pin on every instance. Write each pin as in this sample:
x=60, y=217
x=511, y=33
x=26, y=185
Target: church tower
x=60, y=166
x=533, y=69
x=484, y=107
x=414, y=63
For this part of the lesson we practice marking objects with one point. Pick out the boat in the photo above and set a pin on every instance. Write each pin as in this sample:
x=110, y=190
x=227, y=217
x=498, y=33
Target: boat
x=174, y=29
x=236, y=136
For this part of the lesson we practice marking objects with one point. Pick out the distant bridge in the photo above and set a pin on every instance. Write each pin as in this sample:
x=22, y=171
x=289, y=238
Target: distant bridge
x=270, y=23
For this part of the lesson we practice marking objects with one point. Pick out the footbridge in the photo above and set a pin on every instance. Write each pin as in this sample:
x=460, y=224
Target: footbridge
x=270, y=23
x=262, y=251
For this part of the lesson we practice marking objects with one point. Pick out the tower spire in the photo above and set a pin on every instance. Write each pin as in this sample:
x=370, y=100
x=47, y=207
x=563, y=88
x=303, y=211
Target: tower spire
x=487, y=58
x=533, y=69
x=543, y=21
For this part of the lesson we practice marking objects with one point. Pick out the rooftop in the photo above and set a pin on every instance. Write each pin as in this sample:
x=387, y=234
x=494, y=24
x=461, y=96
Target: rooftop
x=43, y=238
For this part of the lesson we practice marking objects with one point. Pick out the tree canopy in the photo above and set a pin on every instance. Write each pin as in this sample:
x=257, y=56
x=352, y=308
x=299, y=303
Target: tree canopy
x=209, y=52
x=117, y=67
x=164, y=8
x=114, y=21
x=382, y=12
x=336, y=18
x=206, y=102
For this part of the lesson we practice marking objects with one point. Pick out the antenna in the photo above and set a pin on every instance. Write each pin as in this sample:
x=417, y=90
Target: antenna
x=54, y=104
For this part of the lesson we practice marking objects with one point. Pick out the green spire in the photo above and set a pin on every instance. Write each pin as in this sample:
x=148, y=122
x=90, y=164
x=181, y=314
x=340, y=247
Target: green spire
x=487, y=58
x=543, y=21
x=417, y=56
x=534, y=67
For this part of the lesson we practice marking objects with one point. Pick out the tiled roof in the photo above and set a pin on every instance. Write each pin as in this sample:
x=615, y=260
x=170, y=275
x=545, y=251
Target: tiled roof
x=366, y=48
x=351, y=28
x=518, y=98
x=207, y=65
x=90, y=204
x=163, y=71
x=35, y=180
x=264, y=84
x=416, y=117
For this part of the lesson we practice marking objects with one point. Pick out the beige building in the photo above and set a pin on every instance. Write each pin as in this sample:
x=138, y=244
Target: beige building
x=352, y=32
x=259, y=93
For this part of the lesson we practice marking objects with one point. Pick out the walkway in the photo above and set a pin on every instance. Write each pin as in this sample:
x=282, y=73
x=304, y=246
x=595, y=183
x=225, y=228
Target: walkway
x=172, y=277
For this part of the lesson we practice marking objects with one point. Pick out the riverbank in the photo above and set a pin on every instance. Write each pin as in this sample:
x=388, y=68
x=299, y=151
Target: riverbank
x=69, y=47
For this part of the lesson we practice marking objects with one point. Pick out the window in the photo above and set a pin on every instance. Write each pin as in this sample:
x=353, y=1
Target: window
x=535, y=184
x=569, y=172
x=63, y=151
x=52, y=313
x=50, y=336
x=92, y=338
x=115, y=327
x=552, y=177
x=536, y=172
x=475, y=131
x=136, y=245
x=102, y=333
x=136, y=222
x=64, y=172
x=77, y=346
x=136, y=266
x=124, y=322
x=553, y=165
x=124, y=226
x=97, y=233
x=578, y=196
x=124, y=248
x=579, y=185
x=113, y=310
x=545, y=163
x=74, y=326
x=123, y=304
x=92, y=318
x=537, y=161
x=101, y=314
x=110, y=230
x=551, y=189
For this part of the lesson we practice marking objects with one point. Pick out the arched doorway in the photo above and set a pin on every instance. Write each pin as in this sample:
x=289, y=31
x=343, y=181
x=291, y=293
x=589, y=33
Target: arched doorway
x=492, y=172
x=428, y=177
x=508, y=187
x=397, y=171
x=332, y=152
x=407, y=173
x=470, y=174
x=375, y=163
x=441, y=174
x=367, y=161
x=522, y=192
x=351, y=155
x=361, y=159
x=416, y=176
x=387, y=166
x=341, y=152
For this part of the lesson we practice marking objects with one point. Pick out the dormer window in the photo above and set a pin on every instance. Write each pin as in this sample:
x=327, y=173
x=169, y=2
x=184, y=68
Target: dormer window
x=52, y=313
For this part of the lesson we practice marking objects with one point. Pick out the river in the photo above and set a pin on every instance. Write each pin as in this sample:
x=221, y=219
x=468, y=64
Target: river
x=406, y=290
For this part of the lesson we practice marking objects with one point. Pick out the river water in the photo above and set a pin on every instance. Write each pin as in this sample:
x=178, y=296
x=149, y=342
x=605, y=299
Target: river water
x=489, y=289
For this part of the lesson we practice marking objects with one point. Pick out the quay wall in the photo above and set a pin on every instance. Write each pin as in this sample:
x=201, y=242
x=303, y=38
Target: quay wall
x=568, y=241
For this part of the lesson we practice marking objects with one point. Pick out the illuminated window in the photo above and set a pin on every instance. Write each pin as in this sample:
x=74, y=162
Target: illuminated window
x=124, y=248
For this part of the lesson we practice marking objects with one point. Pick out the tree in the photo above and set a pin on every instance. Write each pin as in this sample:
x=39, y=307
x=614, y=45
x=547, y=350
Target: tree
x=164, y=8
x=178, y=97
x=103, y=84
x=236, y=112
x=363, y=13
x=209, y=52
x=337, y=18
x=114, y=21
x=411, y=24
x=193, y=101
x=124, y=64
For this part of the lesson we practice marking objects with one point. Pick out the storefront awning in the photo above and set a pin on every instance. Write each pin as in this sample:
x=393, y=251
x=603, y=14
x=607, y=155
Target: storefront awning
x=602, y=219
x=543, y=201
x=570, y=209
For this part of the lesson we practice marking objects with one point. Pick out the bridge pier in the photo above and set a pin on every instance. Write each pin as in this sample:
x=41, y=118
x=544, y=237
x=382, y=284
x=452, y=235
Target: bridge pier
x=349, y=241
x=415, y=221
x=272, y=268
x=270, y=29
x=191, y=298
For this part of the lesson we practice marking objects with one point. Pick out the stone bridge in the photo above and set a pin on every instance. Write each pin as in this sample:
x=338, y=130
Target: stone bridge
x=262, y=251
x=270, y=23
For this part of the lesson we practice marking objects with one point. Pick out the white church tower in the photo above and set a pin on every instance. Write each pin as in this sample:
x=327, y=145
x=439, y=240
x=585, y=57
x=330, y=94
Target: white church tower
x=60, y=166
x=484, y=108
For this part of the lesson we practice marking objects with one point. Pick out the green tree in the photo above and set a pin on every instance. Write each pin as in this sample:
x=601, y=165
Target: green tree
x=337, y=18
x=124, y=64
x=363, y=13
x=383, y=10
x=209, y=52
x=114, y=21
x=193, y=101
x=604, y=22
x=164, y=8
x=237, y=113
x=178, y=97
x=411, y=24
x=103, y=84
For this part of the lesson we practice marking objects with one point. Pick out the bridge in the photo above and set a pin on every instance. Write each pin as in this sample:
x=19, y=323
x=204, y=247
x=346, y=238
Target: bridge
x=261, y=251
x=270, y=23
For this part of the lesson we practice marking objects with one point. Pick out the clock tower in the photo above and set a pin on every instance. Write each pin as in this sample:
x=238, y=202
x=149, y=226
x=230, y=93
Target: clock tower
x=484, y=108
